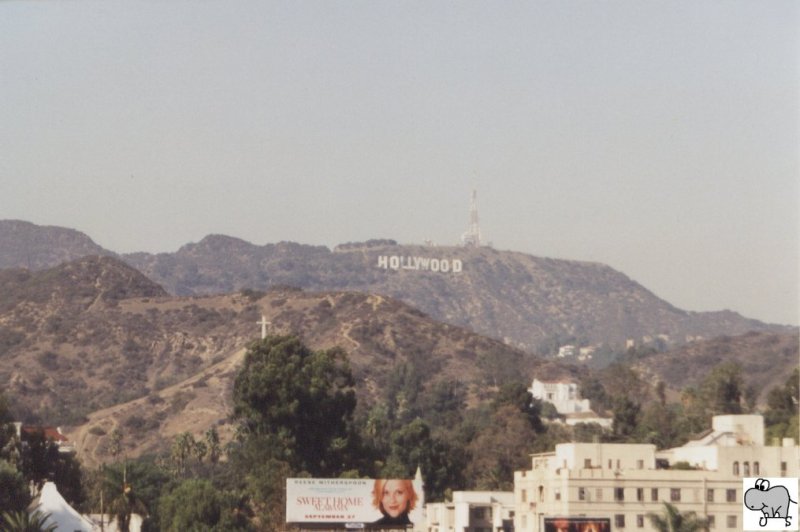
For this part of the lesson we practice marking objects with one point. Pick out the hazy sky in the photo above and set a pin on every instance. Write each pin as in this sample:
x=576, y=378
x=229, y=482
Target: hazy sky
x=660, y=138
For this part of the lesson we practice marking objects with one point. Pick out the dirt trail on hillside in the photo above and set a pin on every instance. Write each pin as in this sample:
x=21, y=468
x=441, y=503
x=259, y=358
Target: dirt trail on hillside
x=208, y=403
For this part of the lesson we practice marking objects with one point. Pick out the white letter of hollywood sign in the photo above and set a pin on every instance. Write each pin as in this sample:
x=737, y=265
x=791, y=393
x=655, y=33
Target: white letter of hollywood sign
x=400, y=262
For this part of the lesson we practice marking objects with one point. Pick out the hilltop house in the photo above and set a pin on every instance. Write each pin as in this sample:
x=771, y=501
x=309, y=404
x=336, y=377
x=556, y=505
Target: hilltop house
x=564, y=396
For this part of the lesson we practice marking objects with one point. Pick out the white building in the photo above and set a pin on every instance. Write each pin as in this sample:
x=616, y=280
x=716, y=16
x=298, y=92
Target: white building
x=561, y=394
x=564, y=396
x=566, y=351
x=472, y=511
x=625, y=482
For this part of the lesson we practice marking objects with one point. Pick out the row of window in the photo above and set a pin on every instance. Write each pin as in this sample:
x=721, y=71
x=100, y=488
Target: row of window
x=746, y=466
x=674, y=494
x=587, y=464
x=730, y=521
x=585, y=494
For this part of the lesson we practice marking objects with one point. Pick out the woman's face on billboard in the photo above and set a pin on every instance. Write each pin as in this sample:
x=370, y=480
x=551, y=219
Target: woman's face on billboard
x=395, y=498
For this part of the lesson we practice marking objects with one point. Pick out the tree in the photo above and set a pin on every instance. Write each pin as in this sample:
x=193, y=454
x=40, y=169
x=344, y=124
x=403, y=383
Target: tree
x=196, y=505
x=720, y=392
x=443, y=403
x=412, y=446
x=500, y=449
x=517, y=394
x=662, y=425
x=592, y=389
x=303, y=399
x=22, y=521
x=6, y=427
x=723, y=389
x=182, y=447
x=673, y=520
x=42, y=461
x=130, y=488
x=626, y=417
x=145, y=481
x=780, y=417
x=14, y=492
x=212, y=443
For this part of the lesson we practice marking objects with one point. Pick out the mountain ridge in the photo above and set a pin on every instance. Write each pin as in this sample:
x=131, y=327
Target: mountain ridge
x=533, y=303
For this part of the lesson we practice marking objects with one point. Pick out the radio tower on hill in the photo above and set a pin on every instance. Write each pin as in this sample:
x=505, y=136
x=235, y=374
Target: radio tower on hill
x=472, y=238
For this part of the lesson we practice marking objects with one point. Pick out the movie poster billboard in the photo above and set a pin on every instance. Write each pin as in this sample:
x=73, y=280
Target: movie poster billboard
x=577, y=524
x=388, y=503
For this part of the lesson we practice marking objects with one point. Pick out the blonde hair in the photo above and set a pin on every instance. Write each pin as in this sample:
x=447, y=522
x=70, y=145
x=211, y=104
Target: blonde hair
x=377, y=492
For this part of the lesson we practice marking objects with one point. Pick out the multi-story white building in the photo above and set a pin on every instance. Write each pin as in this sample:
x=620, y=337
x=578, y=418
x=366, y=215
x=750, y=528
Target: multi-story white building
x=472, y=511
x=561, y=394
x=564, y=396
x=625, y=482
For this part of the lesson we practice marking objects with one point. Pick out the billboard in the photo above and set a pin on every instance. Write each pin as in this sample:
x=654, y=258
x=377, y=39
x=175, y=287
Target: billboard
x=378, y=502
x=577, y=524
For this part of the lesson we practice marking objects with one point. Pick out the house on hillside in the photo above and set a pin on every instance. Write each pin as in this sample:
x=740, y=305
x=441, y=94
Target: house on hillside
x=564, y=396
x=53, y=434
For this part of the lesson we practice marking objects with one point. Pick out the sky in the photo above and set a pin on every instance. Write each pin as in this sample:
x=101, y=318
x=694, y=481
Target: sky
x=659, y=138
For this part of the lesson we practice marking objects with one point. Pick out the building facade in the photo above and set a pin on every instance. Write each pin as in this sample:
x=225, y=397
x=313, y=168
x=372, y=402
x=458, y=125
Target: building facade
x=472, y=511
x=625, y=482
x=562, y=394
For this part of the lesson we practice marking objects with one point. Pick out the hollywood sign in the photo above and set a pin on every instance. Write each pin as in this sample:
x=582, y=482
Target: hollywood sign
x=426, y=264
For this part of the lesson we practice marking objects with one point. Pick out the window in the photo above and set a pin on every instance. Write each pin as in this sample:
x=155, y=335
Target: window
x=619, y=494
x=478, y=513
x=675, y=495
x=640, y=521
x=610, y=463
x=524, y=496
x=710, y=495
x=618, y=465
x=581, y=494
x=756, y=468
x=587, y=463
x=730, y=495
x=711, y=521
x=639, y=464
x=619, y=520
x=557, y=493
x=598, y=494
x=653, y=494
x=747, y=469
x=731, y=521
x=783, y=469
x=736, y=468
x=640, y=494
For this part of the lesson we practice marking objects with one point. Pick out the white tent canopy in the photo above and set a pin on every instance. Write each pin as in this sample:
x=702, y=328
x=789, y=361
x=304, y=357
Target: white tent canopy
x=61, y=513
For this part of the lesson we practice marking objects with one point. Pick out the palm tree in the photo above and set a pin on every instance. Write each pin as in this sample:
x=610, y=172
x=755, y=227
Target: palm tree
x=673, y=520
x=25, y=522
x=124, y=499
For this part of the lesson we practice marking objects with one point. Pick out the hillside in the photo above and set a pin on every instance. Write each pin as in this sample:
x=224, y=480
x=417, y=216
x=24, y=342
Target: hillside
x=766, y=360
x=530, y=302
x=79, y=341
x=35, y=247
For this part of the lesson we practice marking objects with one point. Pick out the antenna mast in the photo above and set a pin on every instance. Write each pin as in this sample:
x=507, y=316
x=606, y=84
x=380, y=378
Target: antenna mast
x=472, y=238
